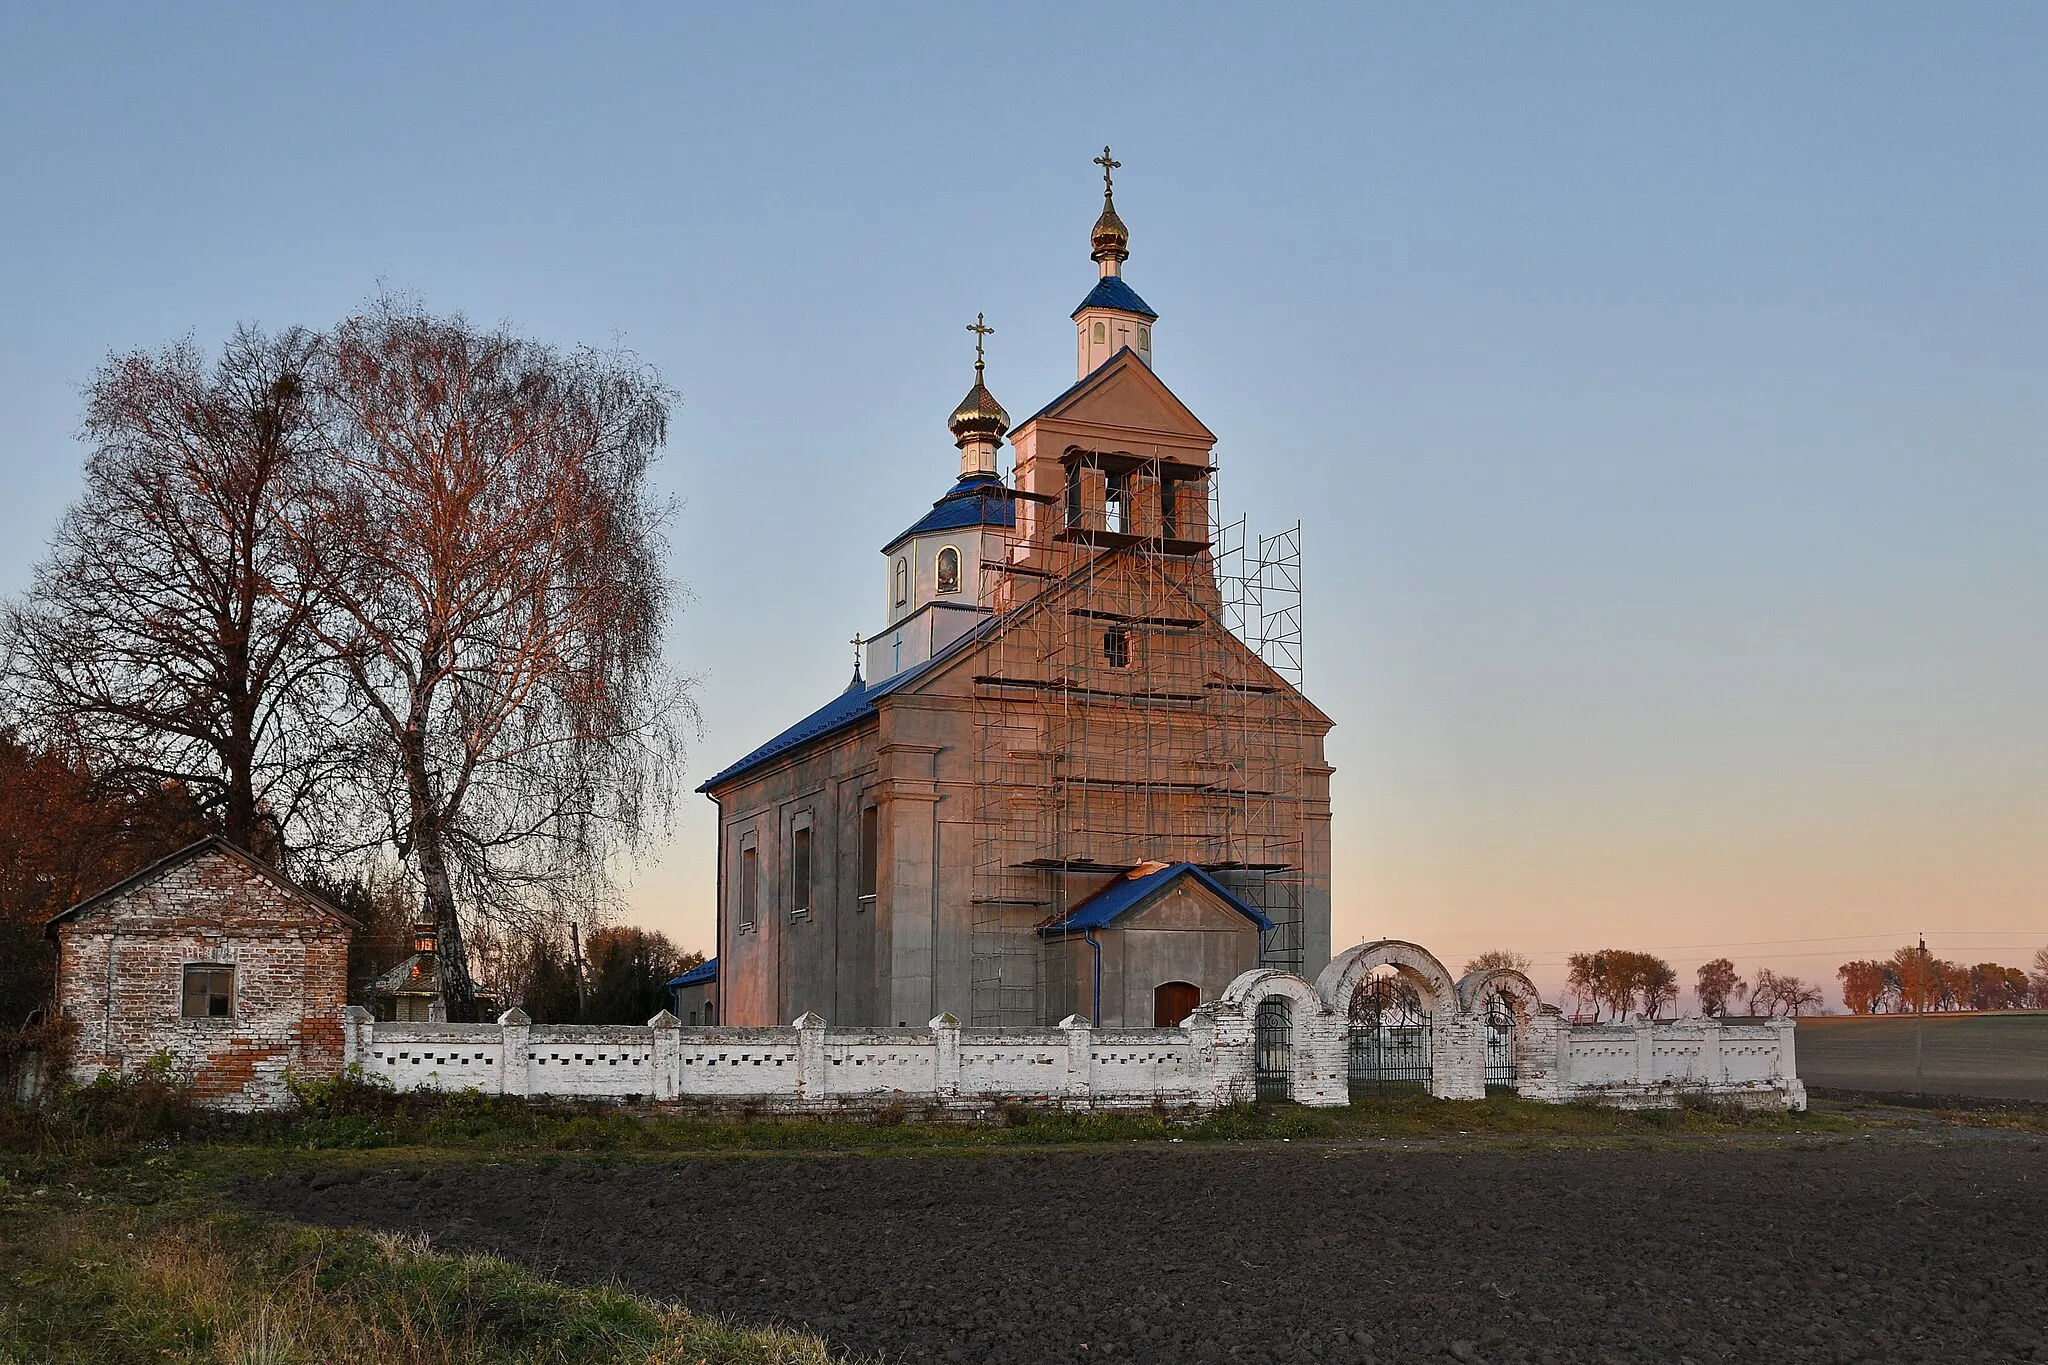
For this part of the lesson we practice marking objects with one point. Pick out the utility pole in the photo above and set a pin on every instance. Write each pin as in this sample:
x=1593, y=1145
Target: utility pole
x=1919, y=1009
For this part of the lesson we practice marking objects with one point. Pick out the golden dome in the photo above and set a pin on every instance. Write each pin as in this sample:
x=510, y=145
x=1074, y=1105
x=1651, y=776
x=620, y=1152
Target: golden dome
x=1111, y=240
x=979, y=416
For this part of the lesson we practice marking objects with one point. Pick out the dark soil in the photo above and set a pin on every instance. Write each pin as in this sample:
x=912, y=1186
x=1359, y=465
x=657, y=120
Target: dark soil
x=1788, y=1251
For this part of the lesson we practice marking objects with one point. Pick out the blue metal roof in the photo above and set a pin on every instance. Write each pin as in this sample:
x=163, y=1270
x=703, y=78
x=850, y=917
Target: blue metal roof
x=1126, y=894
x=698, y=975
x=849, y=708
x=1111, y=292
x=977, y=500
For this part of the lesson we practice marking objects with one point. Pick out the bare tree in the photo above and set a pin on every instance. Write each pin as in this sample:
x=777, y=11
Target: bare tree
x=1498, y=958
x=165, y=634
x=490, y=560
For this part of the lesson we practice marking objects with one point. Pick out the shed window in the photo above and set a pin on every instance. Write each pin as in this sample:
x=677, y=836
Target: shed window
x=209, y=991
x=949, y=570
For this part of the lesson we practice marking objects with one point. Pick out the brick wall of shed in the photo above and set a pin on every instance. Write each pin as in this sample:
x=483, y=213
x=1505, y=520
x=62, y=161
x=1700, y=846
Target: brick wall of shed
x=291, y=982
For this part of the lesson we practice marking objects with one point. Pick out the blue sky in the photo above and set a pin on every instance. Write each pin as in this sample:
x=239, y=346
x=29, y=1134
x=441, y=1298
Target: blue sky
x=1661, y=390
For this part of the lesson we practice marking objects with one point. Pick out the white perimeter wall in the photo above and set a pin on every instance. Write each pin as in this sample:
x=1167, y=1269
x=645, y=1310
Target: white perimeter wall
x=1206, y=1063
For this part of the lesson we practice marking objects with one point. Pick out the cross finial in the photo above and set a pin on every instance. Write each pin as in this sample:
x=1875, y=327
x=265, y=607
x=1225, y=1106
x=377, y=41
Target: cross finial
x=1108, y=164
x=856, y=642
x=981, y=330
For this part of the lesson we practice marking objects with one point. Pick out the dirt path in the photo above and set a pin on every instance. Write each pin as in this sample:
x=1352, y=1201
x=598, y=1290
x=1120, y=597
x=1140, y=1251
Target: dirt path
x=1793, y=1251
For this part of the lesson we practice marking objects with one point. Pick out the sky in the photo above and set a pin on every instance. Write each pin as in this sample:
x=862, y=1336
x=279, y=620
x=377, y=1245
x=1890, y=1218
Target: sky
x=1663, y=391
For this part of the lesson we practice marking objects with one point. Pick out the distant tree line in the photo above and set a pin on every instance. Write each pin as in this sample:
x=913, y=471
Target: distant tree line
x=382, y=604
x=1913, y=979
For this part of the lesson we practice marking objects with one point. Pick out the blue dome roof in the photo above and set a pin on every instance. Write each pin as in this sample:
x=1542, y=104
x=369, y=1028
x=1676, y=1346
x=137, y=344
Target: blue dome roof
x=1111, y=292
x=977, y=500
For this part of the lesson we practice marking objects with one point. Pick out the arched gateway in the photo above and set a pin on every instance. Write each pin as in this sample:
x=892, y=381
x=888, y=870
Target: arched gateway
x=1384, y=1018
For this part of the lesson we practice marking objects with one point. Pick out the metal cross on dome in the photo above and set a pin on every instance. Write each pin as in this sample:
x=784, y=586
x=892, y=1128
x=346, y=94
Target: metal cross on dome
x=981, y=329
x=1108, y=164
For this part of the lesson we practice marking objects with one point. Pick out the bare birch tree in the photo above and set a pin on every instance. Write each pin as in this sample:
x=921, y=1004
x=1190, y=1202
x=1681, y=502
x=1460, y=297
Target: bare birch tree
x=165, y=634
x=483, y=536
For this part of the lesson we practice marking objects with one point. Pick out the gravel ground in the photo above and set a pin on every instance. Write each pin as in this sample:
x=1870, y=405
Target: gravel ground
x=1788, y=1251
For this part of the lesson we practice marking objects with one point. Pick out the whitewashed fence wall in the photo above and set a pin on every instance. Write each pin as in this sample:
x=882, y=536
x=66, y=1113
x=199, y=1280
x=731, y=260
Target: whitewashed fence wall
x=1207, y=1063
x=810, y=1066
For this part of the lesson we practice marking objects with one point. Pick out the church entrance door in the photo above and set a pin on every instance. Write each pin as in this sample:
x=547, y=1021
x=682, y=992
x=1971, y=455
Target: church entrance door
x=1173, y=1002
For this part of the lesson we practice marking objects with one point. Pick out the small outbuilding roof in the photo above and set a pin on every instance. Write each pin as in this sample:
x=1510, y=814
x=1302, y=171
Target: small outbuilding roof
x=1140, y=888
x=702, y=974
x=212, y=843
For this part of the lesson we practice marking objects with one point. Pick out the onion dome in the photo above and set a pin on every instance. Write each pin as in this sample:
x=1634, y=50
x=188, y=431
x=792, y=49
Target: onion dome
x=1111, y=240
x=980, y=419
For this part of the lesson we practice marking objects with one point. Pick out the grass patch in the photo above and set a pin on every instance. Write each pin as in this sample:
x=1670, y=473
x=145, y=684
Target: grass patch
x=103, y=1282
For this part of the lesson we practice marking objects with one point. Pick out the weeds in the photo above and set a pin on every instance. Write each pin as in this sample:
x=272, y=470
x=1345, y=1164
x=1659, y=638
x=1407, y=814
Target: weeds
x=107, y=1285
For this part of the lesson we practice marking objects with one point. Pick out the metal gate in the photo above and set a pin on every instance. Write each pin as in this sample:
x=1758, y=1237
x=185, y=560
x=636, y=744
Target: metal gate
x=1500, y=1044
x=1390, y=1040
x=1273, y=1033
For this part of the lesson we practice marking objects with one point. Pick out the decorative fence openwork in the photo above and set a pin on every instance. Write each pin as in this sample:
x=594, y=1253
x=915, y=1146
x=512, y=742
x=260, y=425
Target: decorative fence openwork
x=1500, y=1043
x=1391, y=1040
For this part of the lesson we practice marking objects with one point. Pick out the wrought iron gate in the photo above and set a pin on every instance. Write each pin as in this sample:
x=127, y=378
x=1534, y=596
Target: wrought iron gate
x=1500, y=1044
x=1273, y=1035
x=1390, y=1040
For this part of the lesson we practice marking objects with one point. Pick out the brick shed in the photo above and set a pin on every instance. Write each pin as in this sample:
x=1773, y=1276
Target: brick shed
x=214, y=959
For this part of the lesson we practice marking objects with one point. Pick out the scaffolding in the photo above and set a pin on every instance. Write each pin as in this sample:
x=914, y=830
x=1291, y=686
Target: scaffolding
x=1137, y=700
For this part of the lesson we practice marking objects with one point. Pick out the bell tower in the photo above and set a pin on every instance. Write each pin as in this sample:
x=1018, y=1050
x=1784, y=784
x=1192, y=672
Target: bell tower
x=1112, y=318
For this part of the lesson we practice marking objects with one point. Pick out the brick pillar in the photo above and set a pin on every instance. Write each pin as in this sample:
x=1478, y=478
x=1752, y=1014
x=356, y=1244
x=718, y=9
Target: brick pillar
x=1080, y=1071
x=358, y=1033
x=1235, y=1066
x=1646, y=1050
x=665, y=1056
x=1457, y=1043
x=514, y=1071
x=1540, y=1057
x=946, y=1034
x=810, y=1056
x=1711, y=1070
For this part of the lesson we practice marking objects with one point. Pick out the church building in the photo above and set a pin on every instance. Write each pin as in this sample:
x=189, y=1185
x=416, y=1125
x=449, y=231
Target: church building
x=1059, y=782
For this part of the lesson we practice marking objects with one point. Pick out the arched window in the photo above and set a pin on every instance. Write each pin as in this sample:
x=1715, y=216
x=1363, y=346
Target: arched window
x=1144, y=337
x=949, y=570
x=1173, y=1002
x=902, y=581
x=1101, y=334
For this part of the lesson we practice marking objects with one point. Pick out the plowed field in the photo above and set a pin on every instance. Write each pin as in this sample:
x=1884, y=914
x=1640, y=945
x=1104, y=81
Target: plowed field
x=1795, y=1250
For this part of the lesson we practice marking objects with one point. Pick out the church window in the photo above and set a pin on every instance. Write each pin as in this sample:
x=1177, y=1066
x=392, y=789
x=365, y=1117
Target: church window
x=800, y=868
x=749, y=887
x=209, y=991
x=1074, y=494
x=1144, y=337
x=1101, y=334
x=1169, y=520
x=870, y=849
x=1116, y=648
x=1116, y=501
x=902, y=580
x=949, y=570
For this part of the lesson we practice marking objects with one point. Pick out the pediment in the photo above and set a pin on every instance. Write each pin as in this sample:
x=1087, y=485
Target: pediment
x=1125, y=394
